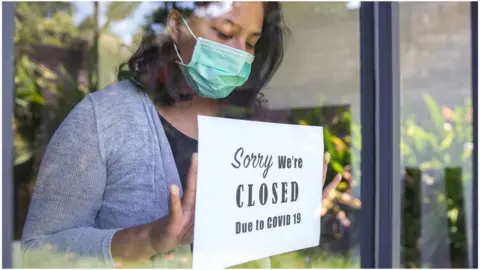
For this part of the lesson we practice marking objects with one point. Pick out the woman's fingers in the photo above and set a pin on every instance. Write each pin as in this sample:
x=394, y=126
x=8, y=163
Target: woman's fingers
x=326, y=160
x=175, y=204
x=188, y=201
x=188, y=237
x=333, y=184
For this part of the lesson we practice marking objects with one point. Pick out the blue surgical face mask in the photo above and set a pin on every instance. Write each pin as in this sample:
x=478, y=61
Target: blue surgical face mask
x=215, y=69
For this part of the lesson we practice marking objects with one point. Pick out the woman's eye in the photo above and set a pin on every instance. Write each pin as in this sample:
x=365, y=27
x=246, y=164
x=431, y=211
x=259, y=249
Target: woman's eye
x=223, y=36
x=250, y=46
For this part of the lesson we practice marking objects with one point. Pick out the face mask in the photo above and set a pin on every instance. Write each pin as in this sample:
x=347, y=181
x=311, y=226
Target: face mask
x=215, y=69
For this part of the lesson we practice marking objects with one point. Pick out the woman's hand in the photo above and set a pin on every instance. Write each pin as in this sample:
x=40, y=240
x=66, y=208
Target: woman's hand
x=177, y=228
x=139, y=243
x=336, y=180
x=332, y=198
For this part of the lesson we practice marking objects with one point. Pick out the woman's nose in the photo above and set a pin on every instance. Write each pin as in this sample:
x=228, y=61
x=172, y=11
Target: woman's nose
x=238, y=43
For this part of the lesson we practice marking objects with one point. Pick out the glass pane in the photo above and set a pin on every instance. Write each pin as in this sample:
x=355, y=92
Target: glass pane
x=66, y=50
x=318, y=83
x=436, y=130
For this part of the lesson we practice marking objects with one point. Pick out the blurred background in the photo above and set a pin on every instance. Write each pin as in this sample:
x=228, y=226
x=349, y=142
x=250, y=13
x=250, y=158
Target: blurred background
x=65, y=50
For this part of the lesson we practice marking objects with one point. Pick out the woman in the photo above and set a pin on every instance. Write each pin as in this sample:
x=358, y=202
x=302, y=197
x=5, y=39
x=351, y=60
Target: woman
x=117, y=181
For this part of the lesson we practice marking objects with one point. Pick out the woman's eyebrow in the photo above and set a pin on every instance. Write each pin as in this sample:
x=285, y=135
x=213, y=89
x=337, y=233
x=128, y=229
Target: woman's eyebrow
x=229, y=21
x=232, y=23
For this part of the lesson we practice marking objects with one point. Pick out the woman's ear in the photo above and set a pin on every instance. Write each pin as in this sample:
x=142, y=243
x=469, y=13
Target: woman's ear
x=174, y=24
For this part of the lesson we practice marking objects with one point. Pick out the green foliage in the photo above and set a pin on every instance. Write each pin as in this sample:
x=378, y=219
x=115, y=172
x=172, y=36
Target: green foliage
x=50, y=23
x=437, y=153
x=337, y=129
x=298, y=259
x=33, y=27
x=106, y=50
x=445, y=142
x=30, y=79
x=48, y=9
x=314, y=258
x=32, y=82
x=118, y=11
x=437, y=156
x=339, y=208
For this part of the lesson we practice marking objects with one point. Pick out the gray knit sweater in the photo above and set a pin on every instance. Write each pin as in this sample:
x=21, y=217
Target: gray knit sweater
x=107, y=167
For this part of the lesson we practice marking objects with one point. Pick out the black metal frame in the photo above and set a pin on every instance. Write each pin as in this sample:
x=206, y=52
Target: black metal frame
x=367, y=112
x=8, y=12
x=387, y=131
x=474, y=42
x=380, y=110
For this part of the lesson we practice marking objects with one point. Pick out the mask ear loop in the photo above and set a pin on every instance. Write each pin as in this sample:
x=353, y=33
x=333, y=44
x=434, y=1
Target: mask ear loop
x=175, y=45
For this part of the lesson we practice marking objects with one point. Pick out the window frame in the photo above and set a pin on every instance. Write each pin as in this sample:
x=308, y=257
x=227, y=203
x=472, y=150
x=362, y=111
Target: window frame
x=380, y=120
x=474, y=67
x=8, y=21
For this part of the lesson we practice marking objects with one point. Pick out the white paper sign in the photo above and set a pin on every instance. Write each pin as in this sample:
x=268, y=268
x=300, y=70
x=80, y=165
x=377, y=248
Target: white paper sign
x=259, y=190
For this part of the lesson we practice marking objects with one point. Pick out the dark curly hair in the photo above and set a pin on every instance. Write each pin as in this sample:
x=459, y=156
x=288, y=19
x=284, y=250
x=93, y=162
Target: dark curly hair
x=158, y=53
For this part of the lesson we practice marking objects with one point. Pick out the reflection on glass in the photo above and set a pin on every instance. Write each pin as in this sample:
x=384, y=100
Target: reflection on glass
x=436, y=130
x=66, y=50
x=318, y=84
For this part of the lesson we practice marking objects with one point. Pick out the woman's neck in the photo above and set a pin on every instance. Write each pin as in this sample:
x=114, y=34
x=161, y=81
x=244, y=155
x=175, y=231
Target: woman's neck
x=183, y=115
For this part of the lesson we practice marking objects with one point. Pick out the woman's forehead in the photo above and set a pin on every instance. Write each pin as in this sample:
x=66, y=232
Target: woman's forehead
x=248, y=15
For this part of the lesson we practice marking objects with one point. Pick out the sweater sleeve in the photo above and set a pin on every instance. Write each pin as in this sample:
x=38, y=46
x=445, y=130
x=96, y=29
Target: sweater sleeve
x=69, y=190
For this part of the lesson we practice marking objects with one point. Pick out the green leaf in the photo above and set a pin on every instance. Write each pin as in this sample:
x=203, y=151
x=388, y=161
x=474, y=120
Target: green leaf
x=120, y=10
x=337, y=167
x=435, y=113
x=117, y=11
x=467, y=154
x=447, y=141
x=20, y=102
x=24, y=157
x=37, y=99
x=327, y=136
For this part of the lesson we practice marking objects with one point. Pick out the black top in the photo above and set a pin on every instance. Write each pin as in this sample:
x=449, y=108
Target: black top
x=182, y=147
